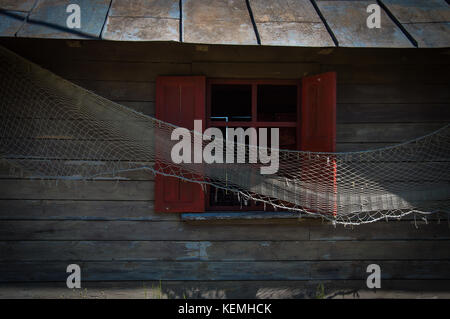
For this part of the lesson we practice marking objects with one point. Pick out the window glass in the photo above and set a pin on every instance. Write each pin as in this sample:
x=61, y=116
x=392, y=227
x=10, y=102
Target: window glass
x=231, y=102
x=277, y=103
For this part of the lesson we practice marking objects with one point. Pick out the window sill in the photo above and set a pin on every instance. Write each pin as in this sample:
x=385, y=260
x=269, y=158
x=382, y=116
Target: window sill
x=217, y=216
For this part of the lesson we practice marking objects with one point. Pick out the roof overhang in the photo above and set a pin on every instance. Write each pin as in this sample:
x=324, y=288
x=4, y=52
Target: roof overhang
x=300, y=23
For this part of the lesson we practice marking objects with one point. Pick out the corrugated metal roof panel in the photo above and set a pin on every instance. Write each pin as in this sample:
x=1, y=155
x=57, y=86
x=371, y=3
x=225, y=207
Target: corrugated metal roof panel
x=282, y=22
x=419, y=11
x=17, y=5
x=284, y=10
x=294, y=34
x=145, y=8
x=289, y=23
x=141, y=29
x=143, y=20
x=427, y=21
x=49, y=19
x=430, y=35
x=10, y=22
x=217, y=22
x=348, y=21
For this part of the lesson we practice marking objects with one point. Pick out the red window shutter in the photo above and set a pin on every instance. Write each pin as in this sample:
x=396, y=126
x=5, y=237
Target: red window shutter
x=318, y=116
x=179, y=100
x=318, y=130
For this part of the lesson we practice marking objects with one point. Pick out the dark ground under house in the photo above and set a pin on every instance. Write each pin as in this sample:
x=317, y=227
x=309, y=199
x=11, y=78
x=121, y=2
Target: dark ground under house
x=384, y=96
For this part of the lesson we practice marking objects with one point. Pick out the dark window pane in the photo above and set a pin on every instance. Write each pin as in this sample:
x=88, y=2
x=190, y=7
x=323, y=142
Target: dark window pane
x=277, y=103
x=231, y=102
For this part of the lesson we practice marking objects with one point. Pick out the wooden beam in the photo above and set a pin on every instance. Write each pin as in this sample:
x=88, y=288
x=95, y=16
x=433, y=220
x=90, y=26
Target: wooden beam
x=173, y=230
x=230, y=270
x=52, y=251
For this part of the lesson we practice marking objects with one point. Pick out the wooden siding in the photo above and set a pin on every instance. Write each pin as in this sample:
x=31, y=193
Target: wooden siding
x=124, y=248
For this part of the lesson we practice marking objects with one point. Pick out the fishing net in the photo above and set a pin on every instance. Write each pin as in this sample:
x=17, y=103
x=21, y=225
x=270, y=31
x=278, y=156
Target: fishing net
x=54, y=129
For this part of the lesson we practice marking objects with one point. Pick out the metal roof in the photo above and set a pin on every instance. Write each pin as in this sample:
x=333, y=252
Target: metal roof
x=301, y=23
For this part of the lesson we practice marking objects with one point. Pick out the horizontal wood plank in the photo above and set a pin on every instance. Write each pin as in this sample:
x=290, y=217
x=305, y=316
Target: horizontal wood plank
x=393, y=93
x=255, y=70
x=173, y=230
x=117, y=70
x=412, y=229
x=121, y=172
x=80, y=210
x=81, y=190
x=392, y=113
x=120, y=90
x=353, y=147
x=135, y=230
x=77, y=251
x=391, y=73
x=193, y=270
x=383, y=132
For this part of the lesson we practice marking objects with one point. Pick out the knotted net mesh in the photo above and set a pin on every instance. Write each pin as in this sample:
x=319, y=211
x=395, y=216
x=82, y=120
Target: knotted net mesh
x=54, y=129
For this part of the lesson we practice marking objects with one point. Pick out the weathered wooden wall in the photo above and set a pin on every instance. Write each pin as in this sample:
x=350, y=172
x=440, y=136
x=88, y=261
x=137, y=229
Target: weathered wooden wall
x=123, y=247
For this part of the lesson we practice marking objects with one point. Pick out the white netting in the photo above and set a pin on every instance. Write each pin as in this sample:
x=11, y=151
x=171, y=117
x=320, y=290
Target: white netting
x=54, y=129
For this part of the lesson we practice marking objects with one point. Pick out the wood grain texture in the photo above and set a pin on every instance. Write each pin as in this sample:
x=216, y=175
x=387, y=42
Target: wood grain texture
x=255, y=70
x=193, y=270
x=352, y=147
x=76, y=190
x=398, y=93
x=174, y=230
x=80, y=210
x=222, y=250
x=384, y=132
x=389, y=73
x=120, y=90
x=135, y=230
x=385, y=96
x=9, y=171
x=392, y=113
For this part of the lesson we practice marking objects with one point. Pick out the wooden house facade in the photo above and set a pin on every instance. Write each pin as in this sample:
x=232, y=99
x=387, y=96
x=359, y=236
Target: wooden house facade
x=391, y=86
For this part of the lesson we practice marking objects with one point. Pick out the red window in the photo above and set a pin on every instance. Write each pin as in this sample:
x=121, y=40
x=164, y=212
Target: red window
x=179, y=100
x=304, y=111
x=251, y=103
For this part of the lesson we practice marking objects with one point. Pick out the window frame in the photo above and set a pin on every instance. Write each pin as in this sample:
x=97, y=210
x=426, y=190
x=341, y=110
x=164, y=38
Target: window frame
x=253, y=123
